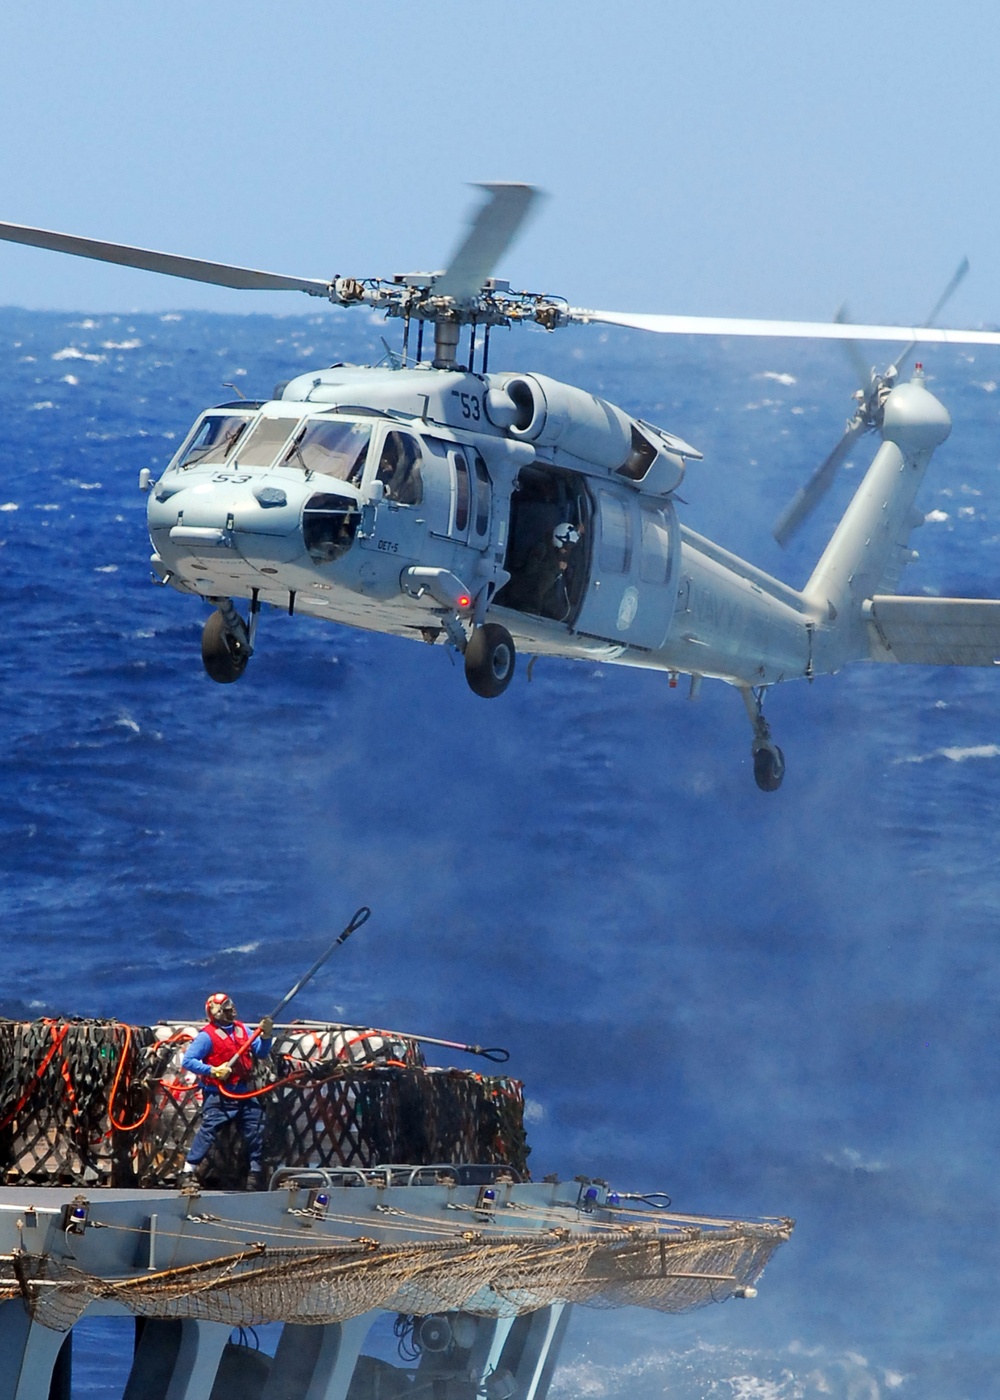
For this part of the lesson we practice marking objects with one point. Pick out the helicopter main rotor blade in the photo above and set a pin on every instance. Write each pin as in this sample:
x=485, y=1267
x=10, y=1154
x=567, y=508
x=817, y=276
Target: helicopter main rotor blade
x=803, y=330
x=808, y=497
x=194, y=269
x=491, y=233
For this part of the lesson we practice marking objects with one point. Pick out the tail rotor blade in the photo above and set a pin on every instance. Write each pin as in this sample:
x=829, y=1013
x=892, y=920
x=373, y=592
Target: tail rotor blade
x=939, y=306
x=948, y=292
x=862, y=369
x=805, y=500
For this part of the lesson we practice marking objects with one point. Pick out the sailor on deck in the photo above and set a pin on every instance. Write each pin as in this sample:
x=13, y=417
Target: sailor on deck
x=223, y=1052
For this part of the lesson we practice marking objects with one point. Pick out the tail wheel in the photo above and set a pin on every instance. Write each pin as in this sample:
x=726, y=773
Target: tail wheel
x=768, y=768
x=223, y=656
x=490, y=659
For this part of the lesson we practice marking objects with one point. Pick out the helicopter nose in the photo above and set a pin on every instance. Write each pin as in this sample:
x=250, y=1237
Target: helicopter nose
x=226, y=514
x=209, y=510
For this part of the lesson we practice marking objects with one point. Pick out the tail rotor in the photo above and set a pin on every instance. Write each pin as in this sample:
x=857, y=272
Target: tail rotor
x=870, y=398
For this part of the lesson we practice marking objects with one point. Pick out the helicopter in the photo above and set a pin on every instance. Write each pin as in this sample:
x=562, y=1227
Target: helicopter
x=503, y=512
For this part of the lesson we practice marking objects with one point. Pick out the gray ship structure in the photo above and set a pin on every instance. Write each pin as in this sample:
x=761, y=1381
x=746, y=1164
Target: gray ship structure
x=401, y=1242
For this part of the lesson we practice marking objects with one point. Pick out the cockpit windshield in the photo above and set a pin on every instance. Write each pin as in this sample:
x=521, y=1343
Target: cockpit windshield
x=214, y=439
x=332, y=447
x=267, y=436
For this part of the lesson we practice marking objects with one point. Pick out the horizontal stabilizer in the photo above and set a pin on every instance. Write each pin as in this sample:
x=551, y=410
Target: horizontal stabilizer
x=934, y=631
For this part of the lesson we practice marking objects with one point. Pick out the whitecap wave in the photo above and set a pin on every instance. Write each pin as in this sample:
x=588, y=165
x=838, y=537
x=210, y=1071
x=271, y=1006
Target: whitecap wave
x=796, y=1372
x=71, y=352
x=761, y=403
x=955, y=755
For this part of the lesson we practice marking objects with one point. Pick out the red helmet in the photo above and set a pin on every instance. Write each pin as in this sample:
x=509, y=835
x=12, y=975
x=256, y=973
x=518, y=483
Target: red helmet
x=219, y=1007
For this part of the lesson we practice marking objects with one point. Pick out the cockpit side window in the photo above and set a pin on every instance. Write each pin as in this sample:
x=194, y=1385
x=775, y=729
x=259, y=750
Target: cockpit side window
x=399, y=469
x=334, y=448
x=214, y=438
x=261, y=447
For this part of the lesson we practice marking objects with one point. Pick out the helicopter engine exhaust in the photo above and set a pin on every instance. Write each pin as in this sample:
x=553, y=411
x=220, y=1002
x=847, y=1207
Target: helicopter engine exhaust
x=550, y=414
x=534, y=408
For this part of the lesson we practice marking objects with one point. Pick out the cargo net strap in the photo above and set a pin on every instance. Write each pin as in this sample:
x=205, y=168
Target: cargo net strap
x=69, y=1105
x=101, y=1103
x=497, y=1276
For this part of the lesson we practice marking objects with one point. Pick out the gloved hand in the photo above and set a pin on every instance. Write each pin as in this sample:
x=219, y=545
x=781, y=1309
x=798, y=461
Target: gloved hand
x=221, y=1071
x=266, y=1028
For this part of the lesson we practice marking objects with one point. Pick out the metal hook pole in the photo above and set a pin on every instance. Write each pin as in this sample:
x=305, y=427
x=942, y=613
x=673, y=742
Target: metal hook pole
x=361, y=917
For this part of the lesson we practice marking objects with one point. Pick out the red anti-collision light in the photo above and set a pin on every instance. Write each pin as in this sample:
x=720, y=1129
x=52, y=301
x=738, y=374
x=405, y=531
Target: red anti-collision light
x=464, y=600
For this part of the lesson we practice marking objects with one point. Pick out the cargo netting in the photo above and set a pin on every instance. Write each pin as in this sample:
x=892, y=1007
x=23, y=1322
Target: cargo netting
x=107, y=1104
x=668, y=1269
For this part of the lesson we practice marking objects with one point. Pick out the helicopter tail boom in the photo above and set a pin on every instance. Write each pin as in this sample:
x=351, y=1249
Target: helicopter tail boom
x=870, y=546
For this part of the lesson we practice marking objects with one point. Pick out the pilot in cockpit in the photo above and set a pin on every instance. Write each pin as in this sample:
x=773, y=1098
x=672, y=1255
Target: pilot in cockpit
x=399, y=469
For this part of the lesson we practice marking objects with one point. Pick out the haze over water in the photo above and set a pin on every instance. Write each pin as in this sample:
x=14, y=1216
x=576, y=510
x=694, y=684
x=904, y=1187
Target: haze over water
x=760, y=1003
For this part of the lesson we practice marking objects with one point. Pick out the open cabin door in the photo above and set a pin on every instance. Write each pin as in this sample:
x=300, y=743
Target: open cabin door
x=547, y=578
x=634, y=561
x=617, y=577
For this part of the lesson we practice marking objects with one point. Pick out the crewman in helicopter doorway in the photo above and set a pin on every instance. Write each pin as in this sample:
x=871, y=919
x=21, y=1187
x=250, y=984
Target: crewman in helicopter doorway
x=223, y=1053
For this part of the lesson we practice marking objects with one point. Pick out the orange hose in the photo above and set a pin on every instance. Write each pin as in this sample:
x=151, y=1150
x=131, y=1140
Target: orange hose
x=265, y=1089
x=122, y=1127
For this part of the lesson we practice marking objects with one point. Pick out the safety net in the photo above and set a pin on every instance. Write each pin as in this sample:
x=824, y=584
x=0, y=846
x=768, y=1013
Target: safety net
x=670, y=1269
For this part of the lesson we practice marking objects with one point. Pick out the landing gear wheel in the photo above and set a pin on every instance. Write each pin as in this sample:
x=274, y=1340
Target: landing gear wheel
x=768, y=768
x=489, y=660
x=224, y=657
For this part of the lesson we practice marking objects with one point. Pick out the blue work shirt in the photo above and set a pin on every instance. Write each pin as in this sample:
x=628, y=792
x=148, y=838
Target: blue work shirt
x=201, y=1046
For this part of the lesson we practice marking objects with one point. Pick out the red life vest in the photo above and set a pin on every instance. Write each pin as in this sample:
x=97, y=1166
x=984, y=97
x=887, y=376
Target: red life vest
x=225, y=1045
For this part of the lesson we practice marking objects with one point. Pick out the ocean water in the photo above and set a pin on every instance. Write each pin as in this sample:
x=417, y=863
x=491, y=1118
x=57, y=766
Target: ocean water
x=760, y=1003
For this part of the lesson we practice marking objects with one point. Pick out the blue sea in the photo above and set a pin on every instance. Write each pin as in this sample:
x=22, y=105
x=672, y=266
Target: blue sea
x=760, y=1003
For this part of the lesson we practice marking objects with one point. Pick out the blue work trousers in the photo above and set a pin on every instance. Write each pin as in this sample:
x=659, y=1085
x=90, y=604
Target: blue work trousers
x=217, y=1110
